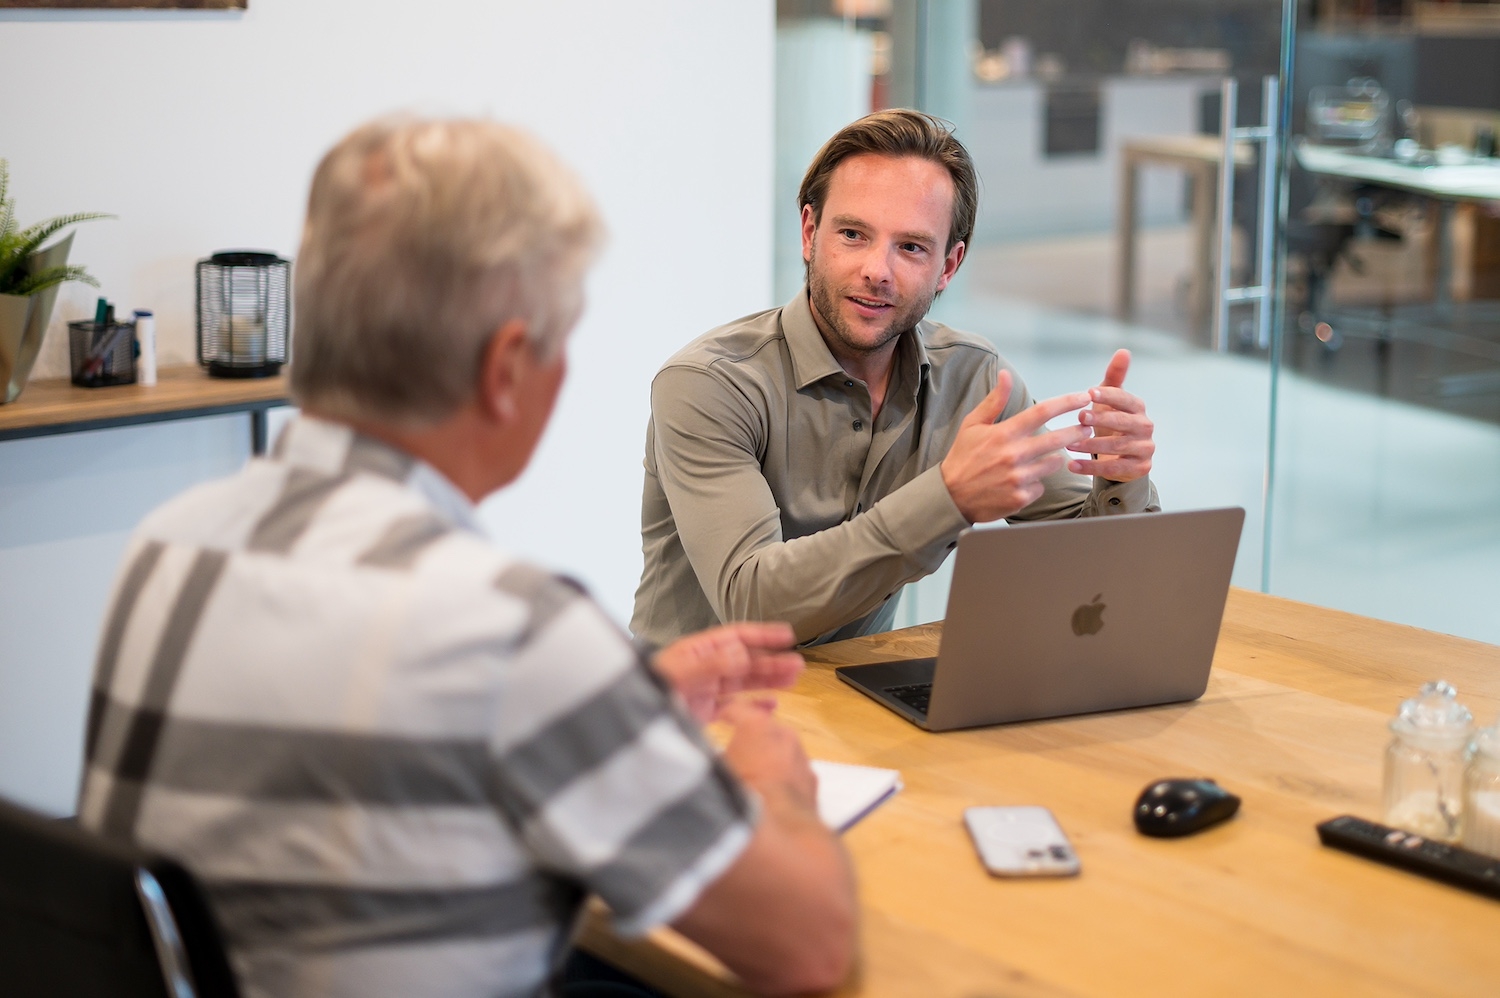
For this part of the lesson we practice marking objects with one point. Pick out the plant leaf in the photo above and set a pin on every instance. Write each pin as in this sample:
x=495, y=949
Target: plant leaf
x=35, y=283
x=16, y=247
x=33, y=236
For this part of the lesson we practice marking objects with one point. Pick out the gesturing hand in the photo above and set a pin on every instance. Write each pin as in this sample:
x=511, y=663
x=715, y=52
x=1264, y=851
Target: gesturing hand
x=996, y=469
x=1122, y=447
x=709, y=667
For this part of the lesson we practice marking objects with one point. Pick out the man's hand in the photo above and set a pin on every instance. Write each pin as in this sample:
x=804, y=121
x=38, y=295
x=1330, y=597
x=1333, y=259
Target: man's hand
x=709, y=667
x=768, y=755
x=996, y=469
x=784, y=916
x=1122, y=447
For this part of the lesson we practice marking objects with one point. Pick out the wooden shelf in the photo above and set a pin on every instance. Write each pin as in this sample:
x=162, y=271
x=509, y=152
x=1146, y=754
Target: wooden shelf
x=55, y=405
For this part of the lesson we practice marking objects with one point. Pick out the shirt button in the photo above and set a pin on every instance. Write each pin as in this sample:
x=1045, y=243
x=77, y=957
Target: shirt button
x=859, y=507
x=859, y=424
x=848, y=384
x=1114, y=500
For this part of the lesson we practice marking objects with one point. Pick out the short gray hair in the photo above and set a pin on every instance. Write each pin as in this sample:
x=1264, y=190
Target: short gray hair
x=422, y=239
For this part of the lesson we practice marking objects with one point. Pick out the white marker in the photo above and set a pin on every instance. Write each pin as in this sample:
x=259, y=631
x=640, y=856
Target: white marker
x=145, y=335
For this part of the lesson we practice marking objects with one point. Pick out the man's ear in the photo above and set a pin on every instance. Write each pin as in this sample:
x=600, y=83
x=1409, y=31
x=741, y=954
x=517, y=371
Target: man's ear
x=504, y=362
x=809, y=227
x=950, y=264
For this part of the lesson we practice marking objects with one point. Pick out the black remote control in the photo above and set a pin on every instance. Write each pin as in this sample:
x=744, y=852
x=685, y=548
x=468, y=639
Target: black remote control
x=1451, y=864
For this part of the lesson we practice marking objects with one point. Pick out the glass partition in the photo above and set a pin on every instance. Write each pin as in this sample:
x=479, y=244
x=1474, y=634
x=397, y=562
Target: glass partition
x=1359, y=425
x=1387, y=467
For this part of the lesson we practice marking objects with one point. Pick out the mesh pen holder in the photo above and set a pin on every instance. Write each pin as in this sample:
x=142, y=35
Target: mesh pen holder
x=244, y=304
x=101, y=353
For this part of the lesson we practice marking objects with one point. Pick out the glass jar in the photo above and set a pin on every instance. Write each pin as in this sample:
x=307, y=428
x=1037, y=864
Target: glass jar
x=1482, y=793
x=1424, y=764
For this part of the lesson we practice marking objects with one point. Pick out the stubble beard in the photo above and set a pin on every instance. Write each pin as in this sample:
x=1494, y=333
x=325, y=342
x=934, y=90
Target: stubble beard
x=826, y=302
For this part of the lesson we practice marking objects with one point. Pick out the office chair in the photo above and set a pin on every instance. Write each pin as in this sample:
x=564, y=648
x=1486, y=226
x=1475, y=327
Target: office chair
x=1327, y=218
x=85, y=917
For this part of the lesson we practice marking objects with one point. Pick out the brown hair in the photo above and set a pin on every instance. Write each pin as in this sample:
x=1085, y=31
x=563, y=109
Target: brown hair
x=899, y=132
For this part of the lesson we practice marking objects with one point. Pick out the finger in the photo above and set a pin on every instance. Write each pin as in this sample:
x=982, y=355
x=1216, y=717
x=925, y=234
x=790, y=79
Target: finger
x=1118, y=469
x=992, y=405
x=1033, y=472
x=1117, y=398
x=1129, y=423
x=1114, y=374
x=1114, y=445
x=770, y=635
x=1030, y=493
x=719, y=653
x=774, y=671
x=751, y=706
x=1031, y=448
x=1030, y=420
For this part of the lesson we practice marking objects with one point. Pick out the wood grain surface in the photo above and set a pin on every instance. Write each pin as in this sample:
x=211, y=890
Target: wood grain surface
x=1294, y=721
x=58, y=402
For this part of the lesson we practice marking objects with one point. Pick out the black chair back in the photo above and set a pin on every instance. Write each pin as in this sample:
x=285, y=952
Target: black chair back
x=83, y=916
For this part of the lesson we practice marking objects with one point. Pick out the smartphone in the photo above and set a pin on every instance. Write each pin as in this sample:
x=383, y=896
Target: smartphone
x=1021, y=842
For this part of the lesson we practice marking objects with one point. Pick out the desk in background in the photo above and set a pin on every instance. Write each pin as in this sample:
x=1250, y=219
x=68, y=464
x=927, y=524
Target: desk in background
x=1200, y=156
x=55, y=405
x=1294, y=720
x=1447, y=184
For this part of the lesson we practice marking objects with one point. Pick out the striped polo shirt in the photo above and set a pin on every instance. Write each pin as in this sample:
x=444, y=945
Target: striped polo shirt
x=398, y=758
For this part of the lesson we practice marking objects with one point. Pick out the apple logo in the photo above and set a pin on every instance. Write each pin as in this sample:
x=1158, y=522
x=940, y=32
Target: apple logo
x=1089, y=618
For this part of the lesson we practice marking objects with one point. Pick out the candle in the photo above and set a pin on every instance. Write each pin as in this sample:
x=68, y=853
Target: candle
x=244, y=340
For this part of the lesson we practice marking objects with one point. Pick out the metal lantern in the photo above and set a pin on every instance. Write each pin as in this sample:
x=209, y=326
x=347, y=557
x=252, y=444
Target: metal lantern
x=244, y=306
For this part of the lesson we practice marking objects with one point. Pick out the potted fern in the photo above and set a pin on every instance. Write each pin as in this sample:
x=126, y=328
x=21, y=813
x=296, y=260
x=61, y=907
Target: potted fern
x=29, y=277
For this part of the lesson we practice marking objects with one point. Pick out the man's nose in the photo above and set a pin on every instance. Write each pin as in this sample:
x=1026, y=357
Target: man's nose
x=875, y=266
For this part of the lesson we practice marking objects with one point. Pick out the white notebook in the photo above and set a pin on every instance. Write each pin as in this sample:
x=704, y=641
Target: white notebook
x=847, y=793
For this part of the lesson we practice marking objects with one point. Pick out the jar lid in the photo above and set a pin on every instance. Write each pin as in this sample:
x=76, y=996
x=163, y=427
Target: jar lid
x=1434, y=714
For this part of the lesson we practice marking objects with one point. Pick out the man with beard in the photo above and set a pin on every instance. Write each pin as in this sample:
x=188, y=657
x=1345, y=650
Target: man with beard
x=802, y=464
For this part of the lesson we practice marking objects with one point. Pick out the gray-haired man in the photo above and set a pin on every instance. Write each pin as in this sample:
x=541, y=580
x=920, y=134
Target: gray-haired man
x=398, y=757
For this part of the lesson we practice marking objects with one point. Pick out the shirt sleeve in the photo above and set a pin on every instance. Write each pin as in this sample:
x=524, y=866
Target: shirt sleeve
x=707, y=440
x=600, y=773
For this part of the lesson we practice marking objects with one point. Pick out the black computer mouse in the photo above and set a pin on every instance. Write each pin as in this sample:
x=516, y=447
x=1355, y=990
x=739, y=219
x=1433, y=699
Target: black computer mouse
x=1169, y=808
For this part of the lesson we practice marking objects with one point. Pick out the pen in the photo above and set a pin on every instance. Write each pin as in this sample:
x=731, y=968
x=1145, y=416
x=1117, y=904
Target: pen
x=93, y=365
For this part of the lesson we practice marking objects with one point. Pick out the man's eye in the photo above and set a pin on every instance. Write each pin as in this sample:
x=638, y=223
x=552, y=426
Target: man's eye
x=849, y=233
x=914, y=247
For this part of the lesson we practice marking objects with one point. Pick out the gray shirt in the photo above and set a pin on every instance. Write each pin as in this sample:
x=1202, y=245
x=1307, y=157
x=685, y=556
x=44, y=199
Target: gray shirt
x=770, y=493
x=397, y=757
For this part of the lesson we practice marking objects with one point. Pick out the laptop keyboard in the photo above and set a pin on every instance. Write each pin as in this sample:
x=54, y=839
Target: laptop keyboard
x=916, y=696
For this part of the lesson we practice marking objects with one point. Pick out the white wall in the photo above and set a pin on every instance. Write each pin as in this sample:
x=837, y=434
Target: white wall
x=822, y=83
x=1024, y=194
x=200, y=131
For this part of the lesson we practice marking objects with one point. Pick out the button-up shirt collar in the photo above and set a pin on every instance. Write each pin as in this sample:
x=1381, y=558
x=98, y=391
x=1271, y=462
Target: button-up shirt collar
x=322, y=445
x=812, y=361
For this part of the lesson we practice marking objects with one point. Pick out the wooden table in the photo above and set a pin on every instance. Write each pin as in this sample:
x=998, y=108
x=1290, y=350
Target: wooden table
x=1200, y=157
x=55, y=405
x=1294, y=720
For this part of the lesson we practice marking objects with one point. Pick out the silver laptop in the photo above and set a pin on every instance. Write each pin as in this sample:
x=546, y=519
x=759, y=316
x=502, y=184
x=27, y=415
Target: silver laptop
x=1069, y=617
